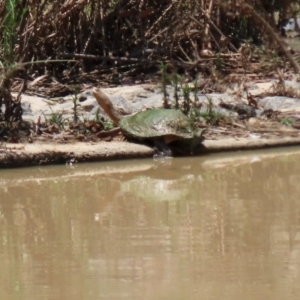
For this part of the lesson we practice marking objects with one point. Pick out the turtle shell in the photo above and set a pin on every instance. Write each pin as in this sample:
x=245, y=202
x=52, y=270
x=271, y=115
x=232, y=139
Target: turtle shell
x=158, y=123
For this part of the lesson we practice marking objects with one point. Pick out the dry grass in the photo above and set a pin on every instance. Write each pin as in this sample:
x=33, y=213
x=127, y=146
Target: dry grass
x=124, y=37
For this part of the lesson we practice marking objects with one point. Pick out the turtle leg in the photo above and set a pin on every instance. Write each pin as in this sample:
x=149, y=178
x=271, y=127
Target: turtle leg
x=163, y=147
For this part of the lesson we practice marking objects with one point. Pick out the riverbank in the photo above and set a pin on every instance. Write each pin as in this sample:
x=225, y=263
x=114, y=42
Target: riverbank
x=22, y=155
x=261, y=117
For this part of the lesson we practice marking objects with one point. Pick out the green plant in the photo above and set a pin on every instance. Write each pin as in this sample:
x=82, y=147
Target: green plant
x=219, y=63
x=108, y=125
x=75, y=104
x=4, y=128
x=57, y=118
x=175, y=81
x=10, y=107
x=195, y=114
x=186, y=90
x=164, y=78
x=97, y=115
x=287, y=121
x=11, y=21
x=210, y=115
x=195, y=91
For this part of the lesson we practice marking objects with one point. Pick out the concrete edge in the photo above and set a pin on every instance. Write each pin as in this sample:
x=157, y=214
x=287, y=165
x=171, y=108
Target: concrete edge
x=21, y=155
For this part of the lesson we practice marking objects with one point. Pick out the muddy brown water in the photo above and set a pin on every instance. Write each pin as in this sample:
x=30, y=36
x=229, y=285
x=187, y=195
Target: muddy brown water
x=212, y=227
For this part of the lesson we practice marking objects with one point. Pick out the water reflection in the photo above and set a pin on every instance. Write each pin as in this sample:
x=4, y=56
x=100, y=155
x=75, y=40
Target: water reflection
x=217, y=227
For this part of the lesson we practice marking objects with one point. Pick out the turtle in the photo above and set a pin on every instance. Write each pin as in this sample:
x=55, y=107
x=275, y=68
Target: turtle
x=162, y=126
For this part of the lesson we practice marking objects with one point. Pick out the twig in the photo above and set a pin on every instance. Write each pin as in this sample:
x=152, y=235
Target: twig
x=103, y=58
x=274, y=35
x=147, y=34
x=206, y=31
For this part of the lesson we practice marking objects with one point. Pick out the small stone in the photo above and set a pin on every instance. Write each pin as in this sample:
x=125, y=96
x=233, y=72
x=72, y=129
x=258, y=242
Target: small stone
x=252, y=121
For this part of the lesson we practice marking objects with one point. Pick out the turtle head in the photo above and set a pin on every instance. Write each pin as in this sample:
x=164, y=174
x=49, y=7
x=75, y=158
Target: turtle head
x=104, y=101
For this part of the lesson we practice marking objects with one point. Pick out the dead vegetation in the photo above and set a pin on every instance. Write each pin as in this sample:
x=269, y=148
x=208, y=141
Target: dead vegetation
x=47, y=47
